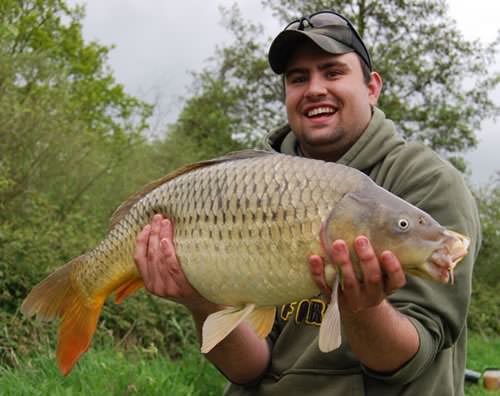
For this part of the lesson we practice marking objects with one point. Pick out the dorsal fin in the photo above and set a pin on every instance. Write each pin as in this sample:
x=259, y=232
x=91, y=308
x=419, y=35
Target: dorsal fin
x=124, y=208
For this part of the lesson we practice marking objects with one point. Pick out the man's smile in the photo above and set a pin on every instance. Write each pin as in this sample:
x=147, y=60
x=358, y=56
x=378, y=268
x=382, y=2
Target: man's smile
x=319, y=111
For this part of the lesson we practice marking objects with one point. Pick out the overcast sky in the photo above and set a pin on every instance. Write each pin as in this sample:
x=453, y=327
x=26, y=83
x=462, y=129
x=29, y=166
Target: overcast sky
x=158, y=42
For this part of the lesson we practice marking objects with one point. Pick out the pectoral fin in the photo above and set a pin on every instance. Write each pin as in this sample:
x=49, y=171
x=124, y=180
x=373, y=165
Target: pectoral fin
x=329, y=332
x=219, y=324
x=261, y=320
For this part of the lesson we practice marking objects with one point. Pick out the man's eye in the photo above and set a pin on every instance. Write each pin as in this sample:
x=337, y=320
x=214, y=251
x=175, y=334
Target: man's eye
x=297, y=79
x=332, y=73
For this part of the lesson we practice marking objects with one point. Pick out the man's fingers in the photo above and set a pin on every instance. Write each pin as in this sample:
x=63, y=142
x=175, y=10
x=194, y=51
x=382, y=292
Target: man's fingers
x=340, y=256
x=395, y=277
x=169, y=230
x=317, y=268
x=141, y=248
x=164, y=229
x=373, y=282
x=368, y=260
x=154, y=238
x=168, y=251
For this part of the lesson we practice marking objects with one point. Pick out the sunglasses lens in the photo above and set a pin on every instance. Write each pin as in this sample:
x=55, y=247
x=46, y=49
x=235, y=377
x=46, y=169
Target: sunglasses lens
x=317, y=20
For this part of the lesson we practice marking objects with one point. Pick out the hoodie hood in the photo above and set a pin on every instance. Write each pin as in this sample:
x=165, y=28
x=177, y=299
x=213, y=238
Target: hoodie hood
x=379, y=139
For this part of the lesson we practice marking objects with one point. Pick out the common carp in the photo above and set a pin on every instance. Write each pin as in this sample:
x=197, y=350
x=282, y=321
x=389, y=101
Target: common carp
x=244, y=227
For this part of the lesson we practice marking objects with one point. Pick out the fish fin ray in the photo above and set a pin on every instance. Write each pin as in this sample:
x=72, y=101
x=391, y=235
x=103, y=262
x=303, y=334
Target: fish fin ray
x=77, y=327
x=330, y=331
x=261, y=320
x=48, y=300
x=128, y=288
x=125, y=207
x=219, y=324
x=59, y=297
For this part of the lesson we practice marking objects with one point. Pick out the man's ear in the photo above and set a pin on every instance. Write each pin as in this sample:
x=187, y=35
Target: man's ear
x=374, y=88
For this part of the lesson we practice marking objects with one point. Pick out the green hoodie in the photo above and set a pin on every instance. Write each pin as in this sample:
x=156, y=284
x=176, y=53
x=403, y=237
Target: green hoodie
x=418, y=175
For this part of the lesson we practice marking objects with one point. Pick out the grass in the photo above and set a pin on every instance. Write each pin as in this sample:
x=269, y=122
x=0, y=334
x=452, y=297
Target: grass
x=483, y=353
x=107, y=371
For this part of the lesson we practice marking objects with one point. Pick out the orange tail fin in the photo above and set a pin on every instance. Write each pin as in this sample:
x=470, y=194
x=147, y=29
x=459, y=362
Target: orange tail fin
x=59, y=297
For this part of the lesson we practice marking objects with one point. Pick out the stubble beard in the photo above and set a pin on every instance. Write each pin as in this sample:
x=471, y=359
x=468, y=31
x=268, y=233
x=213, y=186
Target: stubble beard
x=328, y=138
x=328, y=146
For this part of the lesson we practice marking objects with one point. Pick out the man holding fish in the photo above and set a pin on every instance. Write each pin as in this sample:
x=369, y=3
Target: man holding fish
x=400, y=335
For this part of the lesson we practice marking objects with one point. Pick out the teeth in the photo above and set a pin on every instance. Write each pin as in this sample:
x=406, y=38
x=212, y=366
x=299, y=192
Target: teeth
x=320, y=110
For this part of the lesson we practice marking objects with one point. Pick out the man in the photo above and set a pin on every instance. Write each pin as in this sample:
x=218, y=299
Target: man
x=400, y=336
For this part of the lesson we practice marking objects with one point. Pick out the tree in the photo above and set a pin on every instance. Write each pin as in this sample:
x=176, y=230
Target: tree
x=437, y=84
x=234, y=98
x=208, y=124
x=67, y=129
x=487, y=268
x=70, y=141
x=65, y=122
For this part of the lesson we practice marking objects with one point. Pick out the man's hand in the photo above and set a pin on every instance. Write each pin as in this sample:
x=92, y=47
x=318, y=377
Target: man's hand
x=242, y=356
x=382, y=338
x=380, y=278
x=159, y=266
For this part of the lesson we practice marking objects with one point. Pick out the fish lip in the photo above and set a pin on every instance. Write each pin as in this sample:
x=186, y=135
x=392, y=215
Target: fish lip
x=460, y=246
x=443, y=260
x=440, y=267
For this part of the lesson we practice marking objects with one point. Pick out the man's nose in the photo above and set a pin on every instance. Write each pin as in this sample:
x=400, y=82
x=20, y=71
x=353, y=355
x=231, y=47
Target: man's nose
x=316, y=87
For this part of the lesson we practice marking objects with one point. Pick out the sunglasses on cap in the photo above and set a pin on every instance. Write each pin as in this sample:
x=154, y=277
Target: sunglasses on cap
x=324, y=19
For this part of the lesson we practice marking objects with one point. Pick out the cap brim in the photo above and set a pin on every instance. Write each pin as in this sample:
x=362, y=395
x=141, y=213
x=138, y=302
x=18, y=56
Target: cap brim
x=287, y=41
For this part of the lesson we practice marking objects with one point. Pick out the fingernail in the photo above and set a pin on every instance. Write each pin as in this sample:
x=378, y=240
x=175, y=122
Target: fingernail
x=362, y=242
x=338, y=247
x=388, y=255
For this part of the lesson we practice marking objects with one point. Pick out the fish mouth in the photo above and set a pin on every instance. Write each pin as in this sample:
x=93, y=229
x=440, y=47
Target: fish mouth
x=443, y=260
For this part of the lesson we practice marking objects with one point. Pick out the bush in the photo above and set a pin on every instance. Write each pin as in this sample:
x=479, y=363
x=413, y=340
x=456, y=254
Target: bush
x=484, y=312
x=487, y=268
x=36, y=242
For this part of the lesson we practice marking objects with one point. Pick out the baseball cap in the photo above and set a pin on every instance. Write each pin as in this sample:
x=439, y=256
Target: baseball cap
x=329, y=30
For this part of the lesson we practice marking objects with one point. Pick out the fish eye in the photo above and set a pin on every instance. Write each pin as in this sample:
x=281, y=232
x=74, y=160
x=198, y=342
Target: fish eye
x=403, y=224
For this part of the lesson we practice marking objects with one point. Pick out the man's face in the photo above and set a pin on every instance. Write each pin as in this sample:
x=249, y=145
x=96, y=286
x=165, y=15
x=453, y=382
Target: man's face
x=327, y=100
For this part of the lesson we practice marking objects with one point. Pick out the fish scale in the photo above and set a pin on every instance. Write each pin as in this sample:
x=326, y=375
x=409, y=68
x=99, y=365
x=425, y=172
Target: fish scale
x=282, y=222
x=244, y=228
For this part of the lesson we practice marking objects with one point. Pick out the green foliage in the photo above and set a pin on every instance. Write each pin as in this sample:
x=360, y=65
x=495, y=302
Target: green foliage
x=112, y=371
x=483, y=352
x=484, y=314
x=72, y=147
x=484, y=311
x=66, y=126
x=54, y=29
x=142, y=371
x=244, y=70
x=437, y=84
x=207, y=125
x=487, y=268
x=162, y=325
x=424, y=61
